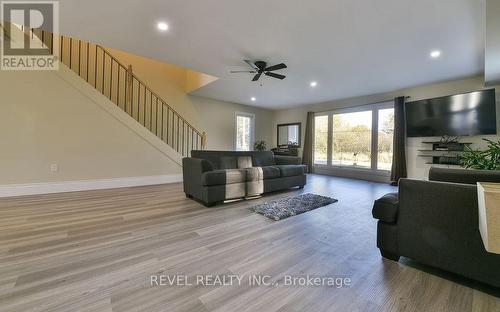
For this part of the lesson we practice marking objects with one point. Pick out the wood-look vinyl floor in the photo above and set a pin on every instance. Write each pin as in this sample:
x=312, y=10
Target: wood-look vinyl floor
x=97, y=250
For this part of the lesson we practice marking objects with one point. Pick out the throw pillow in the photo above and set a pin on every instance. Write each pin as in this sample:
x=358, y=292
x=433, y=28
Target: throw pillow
x=244, y=162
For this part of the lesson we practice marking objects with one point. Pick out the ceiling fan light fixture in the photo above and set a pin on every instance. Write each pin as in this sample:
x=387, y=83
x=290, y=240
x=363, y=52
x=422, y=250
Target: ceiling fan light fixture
x=313, y=84
x=260, y=68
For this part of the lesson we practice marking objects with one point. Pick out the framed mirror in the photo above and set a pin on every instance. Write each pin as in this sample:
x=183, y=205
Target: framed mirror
x=289, y=134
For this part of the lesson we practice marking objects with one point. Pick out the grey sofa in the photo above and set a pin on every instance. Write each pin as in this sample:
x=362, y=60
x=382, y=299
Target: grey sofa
x=436, y=223
x=215, y=176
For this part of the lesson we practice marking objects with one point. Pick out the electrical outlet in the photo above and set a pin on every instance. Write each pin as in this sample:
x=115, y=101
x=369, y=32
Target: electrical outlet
x=54, y=167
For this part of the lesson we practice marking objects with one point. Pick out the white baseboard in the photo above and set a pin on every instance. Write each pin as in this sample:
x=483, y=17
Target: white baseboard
x=84, y=185
x=354, y=173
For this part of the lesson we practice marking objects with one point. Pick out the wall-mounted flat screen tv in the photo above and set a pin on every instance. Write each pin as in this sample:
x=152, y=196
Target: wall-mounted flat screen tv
x=466, y=114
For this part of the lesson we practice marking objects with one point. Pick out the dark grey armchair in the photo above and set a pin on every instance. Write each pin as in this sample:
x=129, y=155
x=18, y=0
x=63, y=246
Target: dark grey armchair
x=215, y=176
x=436, y=223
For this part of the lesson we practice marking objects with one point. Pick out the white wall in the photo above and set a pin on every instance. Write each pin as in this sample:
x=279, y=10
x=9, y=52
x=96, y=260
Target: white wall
x=56, y=118
x=45, y=118
x=492, y=40
x=218, y=120
x=416, y=166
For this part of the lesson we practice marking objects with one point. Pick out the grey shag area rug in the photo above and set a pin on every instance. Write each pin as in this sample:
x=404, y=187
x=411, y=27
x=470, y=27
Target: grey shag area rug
x=287, y=207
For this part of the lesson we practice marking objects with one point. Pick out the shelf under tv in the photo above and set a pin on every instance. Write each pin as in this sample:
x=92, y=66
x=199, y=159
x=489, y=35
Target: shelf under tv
x=441, y=151
x=431, y=163
x=444, y=154
x=439, y=142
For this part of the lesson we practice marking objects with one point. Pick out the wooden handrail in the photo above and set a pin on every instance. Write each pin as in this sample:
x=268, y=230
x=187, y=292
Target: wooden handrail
x=149, y=89
x=203, y=140
x=104, y=72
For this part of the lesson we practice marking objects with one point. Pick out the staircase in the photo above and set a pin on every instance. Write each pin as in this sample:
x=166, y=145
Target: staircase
x=120, y=85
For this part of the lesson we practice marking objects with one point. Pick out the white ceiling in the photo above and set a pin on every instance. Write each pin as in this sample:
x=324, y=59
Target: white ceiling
x=350, y=47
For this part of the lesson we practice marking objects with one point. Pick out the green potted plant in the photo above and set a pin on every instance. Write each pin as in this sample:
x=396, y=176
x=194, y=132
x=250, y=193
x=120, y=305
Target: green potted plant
x=260, y=145
x=488, y=159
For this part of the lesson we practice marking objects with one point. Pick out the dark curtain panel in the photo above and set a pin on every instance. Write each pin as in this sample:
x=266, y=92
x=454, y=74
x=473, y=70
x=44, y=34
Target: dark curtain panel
x=307, y=155
x=399, y=156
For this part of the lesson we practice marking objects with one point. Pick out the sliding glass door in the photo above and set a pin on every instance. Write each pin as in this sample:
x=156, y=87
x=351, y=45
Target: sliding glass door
x=321, y=140
x=352, y=139
x=385, y=136
x=359, y=138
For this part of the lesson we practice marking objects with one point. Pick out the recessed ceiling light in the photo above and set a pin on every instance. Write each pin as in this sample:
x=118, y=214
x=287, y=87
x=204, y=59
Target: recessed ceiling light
x=253, y=99
x=313, y=84
x=435, y=54
x=162, y=26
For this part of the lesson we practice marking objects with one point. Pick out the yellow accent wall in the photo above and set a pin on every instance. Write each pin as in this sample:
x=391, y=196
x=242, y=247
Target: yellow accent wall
x=195, y=80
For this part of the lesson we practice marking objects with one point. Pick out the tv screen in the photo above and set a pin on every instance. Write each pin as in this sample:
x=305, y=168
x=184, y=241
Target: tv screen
x=471, y=113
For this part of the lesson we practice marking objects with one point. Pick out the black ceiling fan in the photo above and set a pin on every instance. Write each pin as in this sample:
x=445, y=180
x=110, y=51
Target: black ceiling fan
x=260, y=68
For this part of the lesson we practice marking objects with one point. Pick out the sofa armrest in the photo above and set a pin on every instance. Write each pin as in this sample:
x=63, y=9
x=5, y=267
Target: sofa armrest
x=385, y=208
x=287, y=160
x=192, y=169
x=196, y=165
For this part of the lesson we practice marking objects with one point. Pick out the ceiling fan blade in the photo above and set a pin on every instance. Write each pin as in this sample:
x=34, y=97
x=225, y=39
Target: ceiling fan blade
x=275, y=75
x=276, y=67
x=243, y=71
x=252, y=64
x=256, y=77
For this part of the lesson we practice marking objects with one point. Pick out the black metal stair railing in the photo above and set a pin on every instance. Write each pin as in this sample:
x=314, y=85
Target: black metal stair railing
x=119, y=84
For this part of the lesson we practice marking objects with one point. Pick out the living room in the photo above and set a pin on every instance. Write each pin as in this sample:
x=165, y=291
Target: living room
x=228, y=156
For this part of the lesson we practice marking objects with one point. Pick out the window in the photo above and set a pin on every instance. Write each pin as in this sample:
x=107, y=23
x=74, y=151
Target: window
x=352, y=139
x=385, y=135
x=244, y=131
x=355, y=138
x=321, y=139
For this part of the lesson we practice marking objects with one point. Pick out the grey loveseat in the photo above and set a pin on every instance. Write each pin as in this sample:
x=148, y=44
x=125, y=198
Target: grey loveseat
x=436, y=223
x=215, y=176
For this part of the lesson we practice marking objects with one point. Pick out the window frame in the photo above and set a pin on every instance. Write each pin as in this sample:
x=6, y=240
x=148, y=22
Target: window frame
x=252, y=128
x=378, y=108
x=328, y=144
x=374, y=108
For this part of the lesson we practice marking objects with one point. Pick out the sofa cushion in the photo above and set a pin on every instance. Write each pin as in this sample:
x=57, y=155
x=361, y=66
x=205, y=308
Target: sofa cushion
x=262, y=173
x=254, y=174
x=263, y=159
x=244, y=162
x=259, y=158
x=271, y=172
x=291, y=170
x=228, y=162
x=287, y=160
x=386, y=208
x=222, y=177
